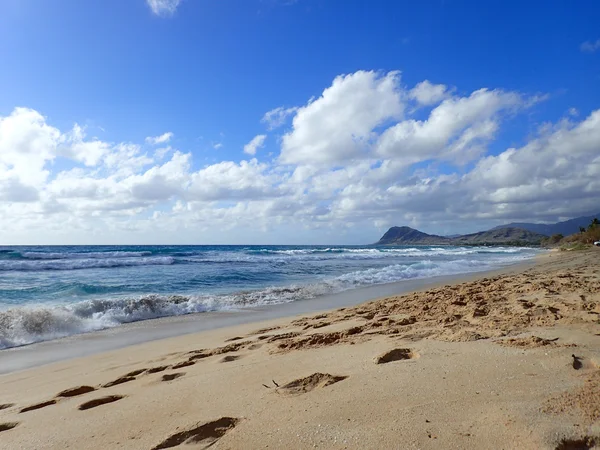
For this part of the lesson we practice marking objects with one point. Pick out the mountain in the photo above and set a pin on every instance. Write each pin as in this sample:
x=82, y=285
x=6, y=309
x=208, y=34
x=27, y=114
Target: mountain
x=565, y=228
x=499, y=236
x=407, y=236
x=506, y=235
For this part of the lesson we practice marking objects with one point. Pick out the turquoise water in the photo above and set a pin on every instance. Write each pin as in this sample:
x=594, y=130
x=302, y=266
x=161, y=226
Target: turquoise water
x=50, y=292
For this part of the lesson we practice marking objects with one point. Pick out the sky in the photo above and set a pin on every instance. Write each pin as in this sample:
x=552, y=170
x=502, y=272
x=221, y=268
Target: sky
x=293, y=121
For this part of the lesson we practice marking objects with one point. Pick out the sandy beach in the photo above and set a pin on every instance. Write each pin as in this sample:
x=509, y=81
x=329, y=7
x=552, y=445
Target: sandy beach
x=503, y=361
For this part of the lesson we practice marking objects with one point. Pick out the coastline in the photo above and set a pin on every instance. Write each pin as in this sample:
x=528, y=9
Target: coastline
x=140, y=332
x=478, y=363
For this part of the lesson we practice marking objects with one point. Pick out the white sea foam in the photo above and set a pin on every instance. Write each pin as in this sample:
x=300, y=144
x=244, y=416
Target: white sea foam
x=33, y=323
x=74, y=264
x=83, y=255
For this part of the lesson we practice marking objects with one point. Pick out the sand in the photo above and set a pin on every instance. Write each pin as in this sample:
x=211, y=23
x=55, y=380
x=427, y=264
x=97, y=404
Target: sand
x=506, y=361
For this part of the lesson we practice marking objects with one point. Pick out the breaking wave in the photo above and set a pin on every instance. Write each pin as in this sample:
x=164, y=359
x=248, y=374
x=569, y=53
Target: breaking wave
x=74, y=264
x=83, y=255
x=33, y=323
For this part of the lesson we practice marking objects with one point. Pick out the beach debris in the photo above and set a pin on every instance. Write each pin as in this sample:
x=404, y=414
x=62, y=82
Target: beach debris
x=275, y=383
x=577, y=364
x=6, y=405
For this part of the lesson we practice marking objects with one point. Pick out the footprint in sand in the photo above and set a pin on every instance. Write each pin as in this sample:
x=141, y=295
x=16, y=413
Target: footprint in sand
x=135, y=373
x=37, y=406
x=8, y=426
x=123, y=379
x=74, y=392
x=183, y=364
x=204, y=435
x=397, y=354
x=172, y=376
x=307, y=384
x=585, y=443
x=100, y=401
x=230, y=358
x=157, y=369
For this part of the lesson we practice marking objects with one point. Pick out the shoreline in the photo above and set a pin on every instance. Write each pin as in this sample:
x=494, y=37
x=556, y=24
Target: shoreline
x=484, y=363
x=135, y=333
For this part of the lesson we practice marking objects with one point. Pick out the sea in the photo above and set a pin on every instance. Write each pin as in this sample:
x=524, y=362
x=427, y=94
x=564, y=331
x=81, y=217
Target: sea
x=49, y=292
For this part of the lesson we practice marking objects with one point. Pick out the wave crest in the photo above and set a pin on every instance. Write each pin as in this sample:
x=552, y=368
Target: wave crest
x=25, y=325
x=74, y=264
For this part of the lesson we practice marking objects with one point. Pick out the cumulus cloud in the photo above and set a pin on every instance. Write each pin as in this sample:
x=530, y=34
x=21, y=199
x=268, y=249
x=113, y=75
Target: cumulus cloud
x=338, y=126
x=162, y=139
x=456, y=129
x=426, y=93
x=163, y=7
x=354, y=158
x=590, y=46
x=256, y=143
x=277, y=117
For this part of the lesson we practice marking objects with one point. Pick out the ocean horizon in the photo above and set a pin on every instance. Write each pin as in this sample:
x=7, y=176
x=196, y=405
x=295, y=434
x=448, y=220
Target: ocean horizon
x=49, y=292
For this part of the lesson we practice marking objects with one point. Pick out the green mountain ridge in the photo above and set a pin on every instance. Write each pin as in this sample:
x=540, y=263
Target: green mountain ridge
x=497, y=236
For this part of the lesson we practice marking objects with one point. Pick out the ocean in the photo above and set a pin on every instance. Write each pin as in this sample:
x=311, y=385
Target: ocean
x=52, y=292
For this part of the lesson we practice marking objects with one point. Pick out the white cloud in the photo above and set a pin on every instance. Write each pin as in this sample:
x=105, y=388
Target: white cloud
x=218, y=145
x=590, y=46
x=27, y=145
x=12, y=190
x=163, y=7
x=76, y=147
x=160, y=153
x=426, y=93
x=277, y=117
x=354, y=159
x=162, y=139
x=256, y=143
x=456, y=129
x=338, y=126
x=228, y=180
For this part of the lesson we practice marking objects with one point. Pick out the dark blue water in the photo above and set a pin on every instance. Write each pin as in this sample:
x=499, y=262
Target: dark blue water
x=49, y=292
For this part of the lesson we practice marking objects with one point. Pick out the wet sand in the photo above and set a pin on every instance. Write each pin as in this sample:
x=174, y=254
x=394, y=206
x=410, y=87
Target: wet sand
x=506, y=360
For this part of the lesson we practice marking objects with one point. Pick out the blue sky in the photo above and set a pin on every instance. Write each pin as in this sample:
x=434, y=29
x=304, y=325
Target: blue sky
x=207, y=71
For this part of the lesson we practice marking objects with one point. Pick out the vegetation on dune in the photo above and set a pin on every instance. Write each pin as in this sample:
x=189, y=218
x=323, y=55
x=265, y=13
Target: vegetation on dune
x=552, y=240
x=578, y=241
